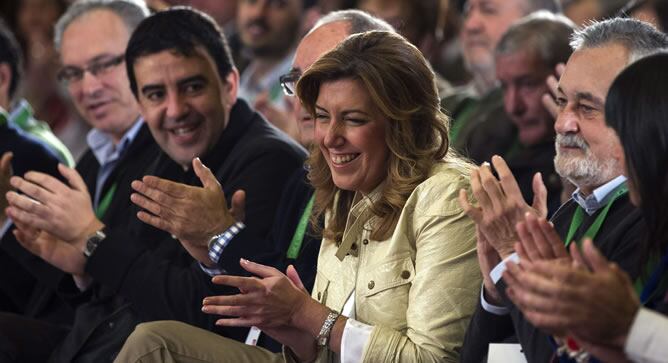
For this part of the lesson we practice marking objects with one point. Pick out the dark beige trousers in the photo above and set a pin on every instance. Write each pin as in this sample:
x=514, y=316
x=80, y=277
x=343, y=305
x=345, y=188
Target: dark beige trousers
x=171, y=342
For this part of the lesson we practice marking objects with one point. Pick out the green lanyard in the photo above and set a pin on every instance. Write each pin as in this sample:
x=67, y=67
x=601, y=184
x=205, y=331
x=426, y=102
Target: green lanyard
x=105, y=202
x=3, y=117
x=596, y=226
x=298, y=238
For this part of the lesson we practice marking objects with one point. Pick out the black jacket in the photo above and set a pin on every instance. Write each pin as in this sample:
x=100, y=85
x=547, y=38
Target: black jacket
x=16, y=284
x=143, y=274
x=618, y=239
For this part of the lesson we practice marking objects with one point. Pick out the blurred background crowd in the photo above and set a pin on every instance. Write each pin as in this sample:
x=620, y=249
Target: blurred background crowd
x=263, y=36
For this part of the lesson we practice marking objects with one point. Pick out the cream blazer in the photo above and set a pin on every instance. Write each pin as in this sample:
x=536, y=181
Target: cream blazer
x=418, y=288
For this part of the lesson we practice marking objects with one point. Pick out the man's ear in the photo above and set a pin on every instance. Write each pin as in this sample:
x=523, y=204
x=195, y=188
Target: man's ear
x=5, y=83
x=231, y=86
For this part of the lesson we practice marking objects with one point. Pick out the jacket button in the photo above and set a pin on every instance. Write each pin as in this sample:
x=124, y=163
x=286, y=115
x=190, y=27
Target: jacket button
x=111, y=325
x=405, y=274
x=319, y=295
x=371, y=284
x=366, y=241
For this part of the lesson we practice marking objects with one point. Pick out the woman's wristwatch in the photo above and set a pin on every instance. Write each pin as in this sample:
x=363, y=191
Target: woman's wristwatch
x=323, y=337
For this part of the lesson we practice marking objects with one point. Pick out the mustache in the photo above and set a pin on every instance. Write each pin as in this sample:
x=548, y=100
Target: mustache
x=572, y=141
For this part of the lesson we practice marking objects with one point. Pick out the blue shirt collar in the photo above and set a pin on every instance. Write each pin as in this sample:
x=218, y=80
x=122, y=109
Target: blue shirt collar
x=102, y=145
x=599, y=197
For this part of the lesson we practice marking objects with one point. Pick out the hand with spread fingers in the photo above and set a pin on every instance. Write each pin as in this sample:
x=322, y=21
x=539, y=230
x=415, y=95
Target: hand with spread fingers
x=596, y=306
x=501, y=205
x=62, y=210
x=276, y=303
x=549, y=99
x=192, y=214
x=5, y=187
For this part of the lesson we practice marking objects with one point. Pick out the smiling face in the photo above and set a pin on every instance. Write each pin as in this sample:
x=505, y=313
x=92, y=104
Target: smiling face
x=351, y=135
x=522, y=76
x=184, y=102
x=105, y=100
x=588, y=151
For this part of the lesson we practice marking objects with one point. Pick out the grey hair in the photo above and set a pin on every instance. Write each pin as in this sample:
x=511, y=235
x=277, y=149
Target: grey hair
x=553, y=6
x=131, y=11
x=542, y=32
x=360, y=21
x=639, y=38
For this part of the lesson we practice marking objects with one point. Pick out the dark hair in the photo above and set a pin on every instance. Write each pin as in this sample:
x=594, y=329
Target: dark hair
x=181, y=29
x=637, y=110
x=10, y=53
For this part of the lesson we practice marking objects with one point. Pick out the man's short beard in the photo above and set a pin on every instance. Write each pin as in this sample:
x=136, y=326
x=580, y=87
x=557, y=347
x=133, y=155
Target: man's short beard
x=584, y=171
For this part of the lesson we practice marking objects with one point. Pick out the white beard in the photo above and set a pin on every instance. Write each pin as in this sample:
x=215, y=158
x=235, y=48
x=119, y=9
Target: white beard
x=587, y=170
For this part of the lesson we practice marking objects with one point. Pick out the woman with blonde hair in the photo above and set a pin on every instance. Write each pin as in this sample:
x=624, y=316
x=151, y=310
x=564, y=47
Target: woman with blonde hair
x=397, y=276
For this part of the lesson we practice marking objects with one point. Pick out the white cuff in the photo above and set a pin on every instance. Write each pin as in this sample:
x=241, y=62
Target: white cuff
x=211, y=271
x=355, y=336
x=498, y=270
x=492, y=309
x=648, y=339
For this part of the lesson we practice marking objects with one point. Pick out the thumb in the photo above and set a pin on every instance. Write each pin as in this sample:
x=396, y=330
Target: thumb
x=259, y=269
x=205, y=175
x=5, y=162
x=238, y=209
x=73, y=178
x=539, y=195
x=293, y=276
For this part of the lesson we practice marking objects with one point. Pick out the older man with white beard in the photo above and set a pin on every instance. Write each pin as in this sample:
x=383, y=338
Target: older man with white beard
x=590, y=156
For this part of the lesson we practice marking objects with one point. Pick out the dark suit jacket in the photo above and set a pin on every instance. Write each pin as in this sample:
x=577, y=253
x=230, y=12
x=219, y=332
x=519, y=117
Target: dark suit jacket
x=143, y=274
x=618, y=240
x=16, y=285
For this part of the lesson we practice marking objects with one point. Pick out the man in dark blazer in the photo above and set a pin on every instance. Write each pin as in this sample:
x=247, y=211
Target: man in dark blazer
x=181, y=73
x=590, y=156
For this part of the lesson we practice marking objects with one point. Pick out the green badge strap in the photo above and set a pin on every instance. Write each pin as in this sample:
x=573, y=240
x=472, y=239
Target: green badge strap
x=596, y=226
x=105, y=202
x=298, y=238
x=23, y=117
x=3, y=117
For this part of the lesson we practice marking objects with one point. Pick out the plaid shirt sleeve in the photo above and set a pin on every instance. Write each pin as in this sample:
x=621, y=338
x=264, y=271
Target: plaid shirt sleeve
x=218, y=245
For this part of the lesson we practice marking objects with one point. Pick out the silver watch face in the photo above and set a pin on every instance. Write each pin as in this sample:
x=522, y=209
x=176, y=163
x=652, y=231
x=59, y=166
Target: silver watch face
x=93, y=242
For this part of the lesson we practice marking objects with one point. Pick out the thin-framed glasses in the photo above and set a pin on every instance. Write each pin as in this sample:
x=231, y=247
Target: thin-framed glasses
x=289, y=81
x=72, y=74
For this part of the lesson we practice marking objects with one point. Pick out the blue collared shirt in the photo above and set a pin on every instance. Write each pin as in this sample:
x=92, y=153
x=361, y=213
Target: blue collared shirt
x=600, y=197
x=108, y=154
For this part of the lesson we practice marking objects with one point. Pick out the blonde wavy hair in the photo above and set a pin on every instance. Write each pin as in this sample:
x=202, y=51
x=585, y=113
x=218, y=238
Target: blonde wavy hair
x=402, y=87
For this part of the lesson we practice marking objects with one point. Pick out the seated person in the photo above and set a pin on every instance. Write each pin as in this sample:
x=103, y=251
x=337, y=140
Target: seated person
x=397, y=273
x=522, y=64
x=606, y=315
x=590, y=156
x=183, y=78
x=21, y=114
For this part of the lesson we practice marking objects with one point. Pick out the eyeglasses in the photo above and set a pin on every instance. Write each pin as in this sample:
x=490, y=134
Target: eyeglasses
x=289, y=81
x=71, y=74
